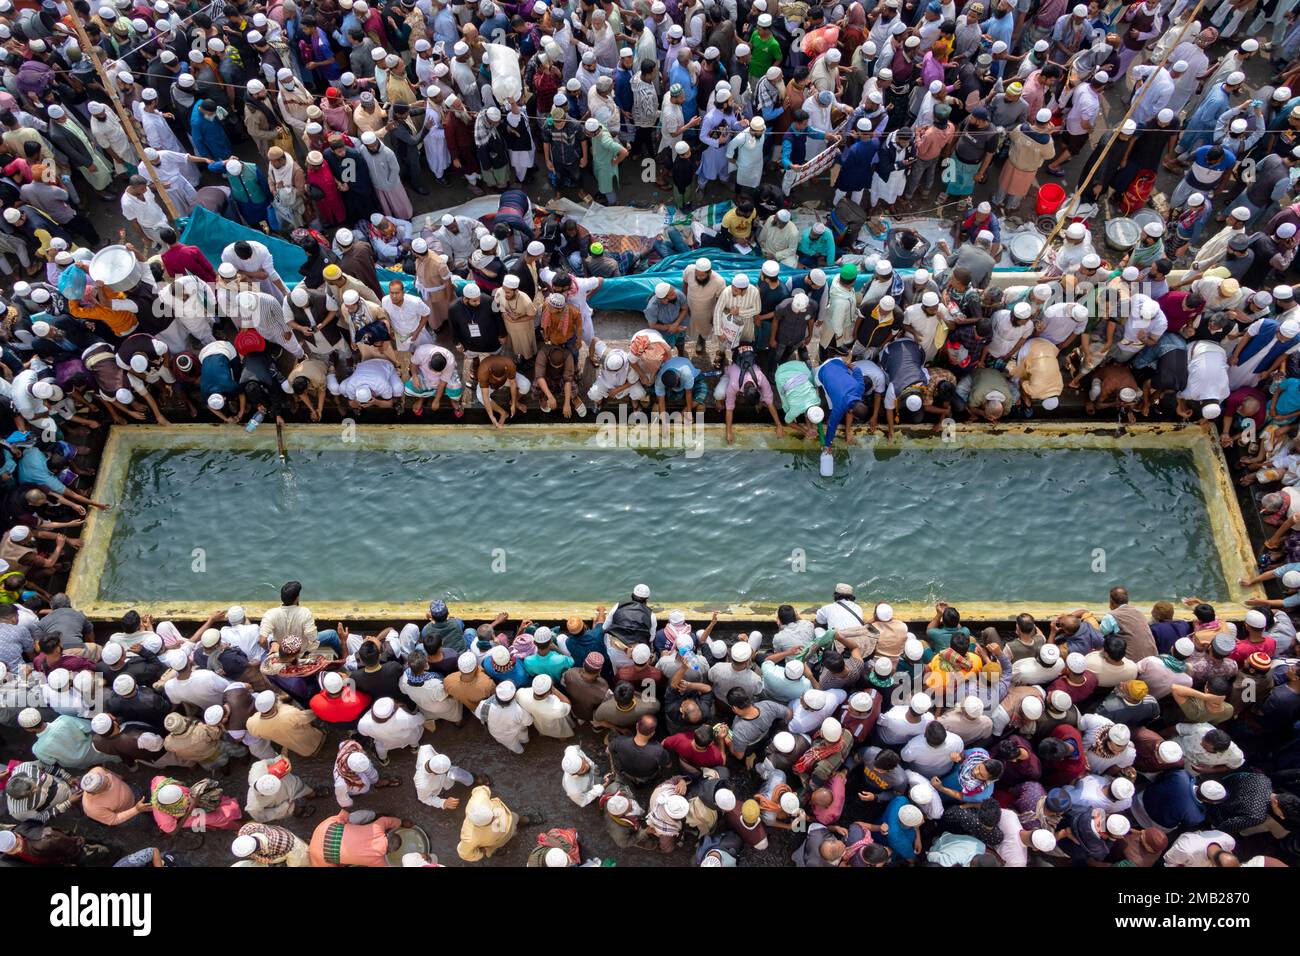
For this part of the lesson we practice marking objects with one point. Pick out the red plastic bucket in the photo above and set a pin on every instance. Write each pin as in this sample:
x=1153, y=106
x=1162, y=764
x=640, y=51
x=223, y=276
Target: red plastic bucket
x=1050, y=198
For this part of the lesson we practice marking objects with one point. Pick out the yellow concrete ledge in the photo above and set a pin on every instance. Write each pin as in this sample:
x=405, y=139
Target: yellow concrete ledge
x=1236, y=554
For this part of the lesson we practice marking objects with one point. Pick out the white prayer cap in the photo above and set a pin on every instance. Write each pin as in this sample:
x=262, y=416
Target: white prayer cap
x=1042, y=840
x=930, y=299
x=1236, y=78
x=1130, y=274
x=1249, y=45
x=1166, y=115
x=124, y=685
x=642, y=591
x=627, y=51
x=676, y=806
x=555, y=857
x=921, y=703
x=1092, y=261
x=535, y=249
x=1121, y=788
x=99, y=724
x=910, y=815
x=264, y=701
x=641, y=654
x=1255, y=619
x=793, y=670
x=884, y=612
x=814, y=699
x=500, y=655
x=556, y=300
x=368, y=138
x=59, y=678
x=97, y=108
x=461, y=48
x=506, y=691
x=1211, y=411
x=358, y=762
x=471, y=291
x=783, y=742
x=742, y=49
x=268, y=785
x=973, y=707
x=1129, y=127
x=771, y=268
x=440, y=763
x=617, y=804
x=384, y=708
x=1211, y=791
x=243, y=846
x=831, y=729
x=112, y=653
x=12, y=215
x=151, y=742
x=1075, y=662
x=883, y=667
x=332, y=682
x=1117, y=825
x=169, y=793
x=8, y=841
x=572, y=761
x=592, y=125
x=922, y=794
x=187, y=79
x=1237, y=126
x=178, y=660
x=741, y=652
x=765, y=19
x=419, y=246
x=1032, y=707
x=344, y=237
x=493, y=114
x=1075, y=230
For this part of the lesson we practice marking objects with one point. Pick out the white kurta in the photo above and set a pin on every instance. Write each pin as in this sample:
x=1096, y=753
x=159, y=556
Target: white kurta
x=550, y=714
x=403, y=729
x=429, y=786
x=582, y=788
x=158, y=133
x=432, y=699
x=507, y=723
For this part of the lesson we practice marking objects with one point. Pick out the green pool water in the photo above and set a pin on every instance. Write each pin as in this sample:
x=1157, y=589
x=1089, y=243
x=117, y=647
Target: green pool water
x=729, y=526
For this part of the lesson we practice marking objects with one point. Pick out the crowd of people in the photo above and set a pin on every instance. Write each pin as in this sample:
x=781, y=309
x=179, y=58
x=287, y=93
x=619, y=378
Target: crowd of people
x=1121, y=738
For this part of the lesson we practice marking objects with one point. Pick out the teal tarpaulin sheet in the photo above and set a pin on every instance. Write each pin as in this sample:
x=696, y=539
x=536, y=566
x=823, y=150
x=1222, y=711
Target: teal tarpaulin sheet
x=212, y=233
x=632, y=292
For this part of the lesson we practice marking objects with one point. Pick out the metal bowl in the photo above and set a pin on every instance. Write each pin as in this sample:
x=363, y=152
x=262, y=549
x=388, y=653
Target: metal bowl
x=115, y=267
x=1122, y=234
x=1147, y=215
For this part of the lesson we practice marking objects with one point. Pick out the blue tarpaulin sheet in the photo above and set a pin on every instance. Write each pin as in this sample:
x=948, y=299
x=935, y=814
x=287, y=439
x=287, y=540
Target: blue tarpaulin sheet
x=212, y=233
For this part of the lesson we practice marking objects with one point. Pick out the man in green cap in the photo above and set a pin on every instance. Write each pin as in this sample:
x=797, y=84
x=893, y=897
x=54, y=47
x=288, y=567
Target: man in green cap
x=605, y=264
x=840, y=310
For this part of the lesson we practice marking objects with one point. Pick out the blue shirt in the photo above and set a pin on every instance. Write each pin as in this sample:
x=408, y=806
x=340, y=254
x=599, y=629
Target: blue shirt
x=209, y=138
x=901, y=839
x=843, y=386
x=1170, y=801
x=686, y=373
x=516, y=674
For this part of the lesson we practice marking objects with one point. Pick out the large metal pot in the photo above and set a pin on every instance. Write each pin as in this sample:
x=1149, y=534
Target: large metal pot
x=1024, y=247
x=116, y=267
x=1122, y=234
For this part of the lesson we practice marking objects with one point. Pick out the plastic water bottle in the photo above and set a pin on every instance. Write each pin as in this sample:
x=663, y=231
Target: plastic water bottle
x=256, y=420
x=827, y=464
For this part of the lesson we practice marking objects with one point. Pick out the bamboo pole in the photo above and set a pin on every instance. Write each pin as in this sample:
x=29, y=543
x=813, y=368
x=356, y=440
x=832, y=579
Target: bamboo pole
x=1114, y=135
x=128, y=121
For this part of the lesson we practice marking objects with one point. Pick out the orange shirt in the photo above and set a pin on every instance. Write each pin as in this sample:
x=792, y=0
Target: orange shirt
x=363, y=844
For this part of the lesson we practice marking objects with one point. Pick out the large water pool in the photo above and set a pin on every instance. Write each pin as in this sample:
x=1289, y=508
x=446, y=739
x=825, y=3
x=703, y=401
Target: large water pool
x=566, y=522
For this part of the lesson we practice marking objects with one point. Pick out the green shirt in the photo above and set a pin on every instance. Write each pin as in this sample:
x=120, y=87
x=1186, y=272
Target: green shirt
x=795, y=388
x=762, y=54
x=604, y=148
